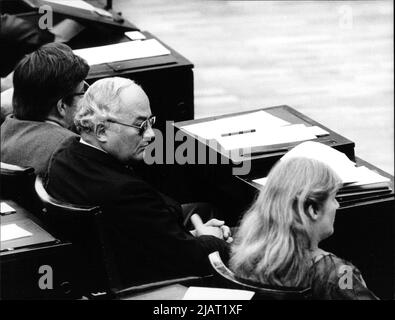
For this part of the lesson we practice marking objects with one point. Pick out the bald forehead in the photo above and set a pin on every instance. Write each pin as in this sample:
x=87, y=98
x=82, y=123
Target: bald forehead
x=135, y=103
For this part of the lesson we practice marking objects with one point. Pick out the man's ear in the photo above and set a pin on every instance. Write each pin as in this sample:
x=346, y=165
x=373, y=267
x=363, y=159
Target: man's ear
x=101, y=133
x=61, y=108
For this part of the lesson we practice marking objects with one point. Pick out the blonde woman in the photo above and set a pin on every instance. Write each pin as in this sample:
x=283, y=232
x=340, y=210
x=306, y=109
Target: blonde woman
x=277, y=243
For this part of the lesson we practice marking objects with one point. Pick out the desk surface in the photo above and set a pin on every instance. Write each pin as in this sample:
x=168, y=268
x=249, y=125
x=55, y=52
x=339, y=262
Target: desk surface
x=174, y=60
x=21, y=265
x=27, y=221
x=171, y=292
x=283, y=112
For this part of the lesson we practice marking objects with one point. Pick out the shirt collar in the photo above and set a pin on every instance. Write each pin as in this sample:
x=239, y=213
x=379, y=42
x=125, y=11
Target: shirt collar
x=91, y=145
x=52, y=122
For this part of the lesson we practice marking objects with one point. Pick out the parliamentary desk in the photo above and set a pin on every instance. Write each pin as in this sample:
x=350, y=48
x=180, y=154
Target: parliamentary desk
x=166, y=77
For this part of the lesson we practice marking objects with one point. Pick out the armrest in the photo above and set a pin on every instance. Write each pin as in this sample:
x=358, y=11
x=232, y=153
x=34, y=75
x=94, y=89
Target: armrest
x=158, y=284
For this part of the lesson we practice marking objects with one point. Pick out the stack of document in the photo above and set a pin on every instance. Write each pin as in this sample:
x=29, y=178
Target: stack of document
x=358, y=182
x=254, y=129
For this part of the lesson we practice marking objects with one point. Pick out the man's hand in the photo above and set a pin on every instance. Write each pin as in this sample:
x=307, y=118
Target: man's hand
x=213, y=227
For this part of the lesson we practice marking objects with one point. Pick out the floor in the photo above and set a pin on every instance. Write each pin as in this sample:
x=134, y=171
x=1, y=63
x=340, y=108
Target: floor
x=330, y=60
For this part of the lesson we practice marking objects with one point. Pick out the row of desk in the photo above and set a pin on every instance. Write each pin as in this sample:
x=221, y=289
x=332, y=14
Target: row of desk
x=168, y=82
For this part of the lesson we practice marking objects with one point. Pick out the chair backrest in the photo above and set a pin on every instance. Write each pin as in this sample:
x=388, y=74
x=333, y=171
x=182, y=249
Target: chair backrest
x=94, y=266
x=226, y=278
x=17, y=183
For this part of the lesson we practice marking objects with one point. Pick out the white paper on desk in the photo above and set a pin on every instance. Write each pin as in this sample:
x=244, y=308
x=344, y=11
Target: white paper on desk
x=135, y=35
x=261, y=181
x=267, y=137
x=215, y=128
x=13, y=231
x=78, y=4
x=317, y=131
x=122, y=51
x=6, y=208
x=204, y=293
x=337, y=160
x=368, y=177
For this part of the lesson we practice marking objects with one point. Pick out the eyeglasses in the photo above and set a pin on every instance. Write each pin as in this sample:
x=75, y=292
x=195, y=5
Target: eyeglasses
x=148, y=123
x=84, y=89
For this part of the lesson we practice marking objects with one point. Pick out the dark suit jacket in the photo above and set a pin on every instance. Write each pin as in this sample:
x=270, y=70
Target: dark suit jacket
x=145, y=227
x=31, y=143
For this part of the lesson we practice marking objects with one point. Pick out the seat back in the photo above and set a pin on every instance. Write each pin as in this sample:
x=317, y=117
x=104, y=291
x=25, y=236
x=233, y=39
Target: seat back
x=17, y=184
x=93, y=266
x=224, y=277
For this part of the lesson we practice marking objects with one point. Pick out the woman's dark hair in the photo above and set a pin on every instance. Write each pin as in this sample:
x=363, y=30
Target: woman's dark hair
x=45, y=76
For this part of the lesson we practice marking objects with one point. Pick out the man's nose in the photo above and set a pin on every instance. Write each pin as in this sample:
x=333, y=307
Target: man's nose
x=149, y=134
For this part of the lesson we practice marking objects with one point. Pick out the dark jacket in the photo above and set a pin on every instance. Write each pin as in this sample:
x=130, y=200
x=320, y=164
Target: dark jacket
x=145, y=227
x=31, y=143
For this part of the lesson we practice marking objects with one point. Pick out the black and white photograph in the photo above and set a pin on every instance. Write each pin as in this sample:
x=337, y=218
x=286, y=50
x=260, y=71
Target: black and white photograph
x=198, y=154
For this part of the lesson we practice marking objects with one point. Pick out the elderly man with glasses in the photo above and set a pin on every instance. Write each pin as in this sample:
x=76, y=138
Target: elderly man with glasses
x=146, y=229
x=48, y=83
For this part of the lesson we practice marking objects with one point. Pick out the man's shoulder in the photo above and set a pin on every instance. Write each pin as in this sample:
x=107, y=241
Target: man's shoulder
x=13, y=127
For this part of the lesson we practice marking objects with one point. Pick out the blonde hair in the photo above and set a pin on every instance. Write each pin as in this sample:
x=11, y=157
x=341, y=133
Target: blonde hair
x=272, y=242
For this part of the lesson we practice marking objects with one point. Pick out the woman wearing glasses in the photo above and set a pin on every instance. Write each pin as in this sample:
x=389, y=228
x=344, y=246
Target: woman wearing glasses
x=277, y=243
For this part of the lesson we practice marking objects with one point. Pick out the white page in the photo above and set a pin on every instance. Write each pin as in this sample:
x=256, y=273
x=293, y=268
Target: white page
x=367, y=176
x=122, y=51
x=6, y=208
x=364, y=175
x=12, y=231
x=266, y=137
x=317, y=131
x=204, y=293
x=253, y=120
x=135, y=35
x=79, y=4
x=337, y=160
x=261, y=181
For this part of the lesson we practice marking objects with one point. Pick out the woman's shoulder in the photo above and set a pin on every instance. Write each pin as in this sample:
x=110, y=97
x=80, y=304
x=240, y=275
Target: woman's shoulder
x=328, y=259
x=329, y=267
x=337, y=278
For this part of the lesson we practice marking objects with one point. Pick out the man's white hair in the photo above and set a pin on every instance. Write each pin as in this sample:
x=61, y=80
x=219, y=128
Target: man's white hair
x=101, y=102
